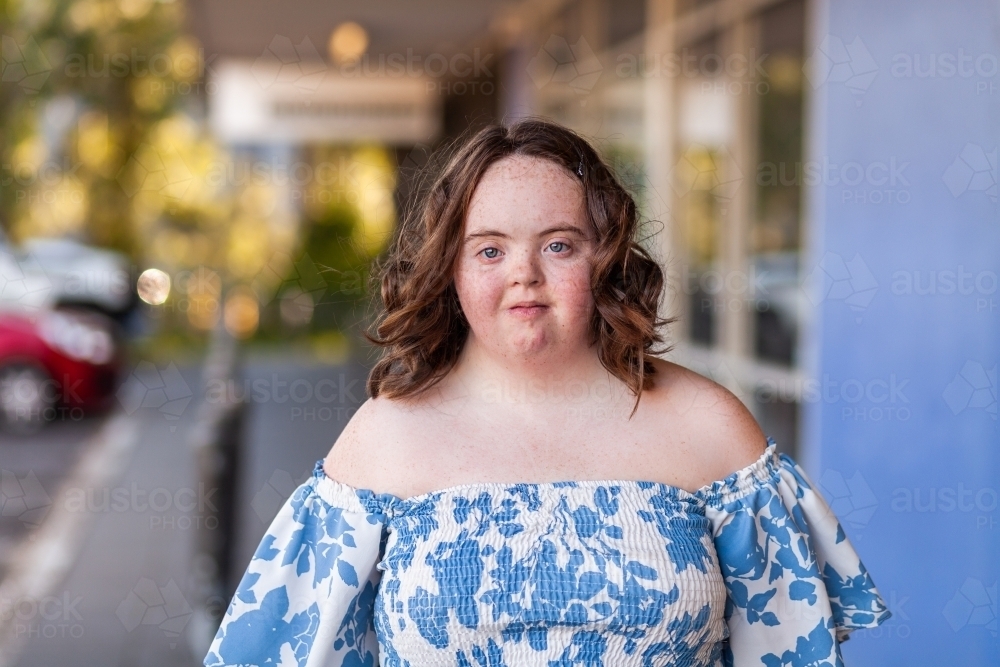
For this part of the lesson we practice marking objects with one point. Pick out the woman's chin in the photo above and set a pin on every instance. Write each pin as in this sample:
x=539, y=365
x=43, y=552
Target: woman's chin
x=534, y=345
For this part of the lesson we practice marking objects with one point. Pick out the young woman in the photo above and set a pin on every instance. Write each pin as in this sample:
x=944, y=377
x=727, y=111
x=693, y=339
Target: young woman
x=527, y=485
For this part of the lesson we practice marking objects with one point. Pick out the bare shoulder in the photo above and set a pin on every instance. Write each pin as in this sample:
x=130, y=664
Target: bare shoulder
x=366, y=455
x=709, y=424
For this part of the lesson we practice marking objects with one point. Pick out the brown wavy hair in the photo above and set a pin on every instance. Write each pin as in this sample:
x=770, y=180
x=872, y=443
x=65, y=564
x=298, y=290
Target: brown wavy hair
x=421, y=326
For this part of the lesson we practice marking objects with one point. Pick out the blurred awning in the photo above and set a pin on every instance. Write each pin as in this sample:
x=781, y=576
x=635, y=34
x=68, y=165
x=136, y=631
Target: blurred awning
x=268, y=101
x=245, y=28
x=274, y=77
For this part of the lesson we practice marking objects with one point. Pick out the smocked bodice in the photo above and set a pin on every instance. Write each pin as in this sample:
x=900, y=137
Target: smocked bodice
x=753, y=569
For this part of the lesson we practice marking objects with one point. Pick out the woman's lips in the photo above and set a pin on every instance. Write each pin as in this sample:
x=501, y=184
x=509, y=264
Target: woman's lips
x=528, y=311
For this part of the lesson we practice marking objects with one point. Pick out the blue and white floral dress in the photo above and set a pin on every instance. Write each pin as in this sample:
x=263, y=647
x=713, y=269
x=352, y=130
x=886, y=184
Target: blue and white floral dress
x=751, y=570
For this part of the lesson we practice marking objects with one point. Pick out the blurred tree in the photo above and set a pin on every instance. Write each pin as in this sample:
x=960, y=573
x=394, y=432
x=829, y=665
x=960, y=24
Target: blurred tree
x=348, y=214
x=102, y=104
x=86, y=89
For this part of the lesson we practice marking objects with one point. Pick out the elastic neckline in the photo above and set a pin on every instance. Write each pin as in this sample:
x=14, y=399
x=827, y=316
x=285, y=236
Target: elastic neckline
x=734, y=486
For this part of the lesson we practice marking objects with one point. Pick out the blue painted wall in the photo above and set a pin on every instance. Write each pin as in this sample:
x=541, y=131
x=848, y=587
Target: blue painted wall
x=903, y=261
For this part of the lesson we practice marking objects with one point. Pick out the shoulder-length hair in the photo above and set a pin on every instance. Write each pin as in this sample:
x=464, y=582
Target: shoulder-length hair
x=421, y=327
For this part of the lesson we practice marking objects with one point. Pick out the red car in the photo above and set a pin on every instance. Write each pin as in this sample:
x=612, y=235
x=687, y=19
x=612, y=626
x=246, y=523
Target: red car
x=59, y=363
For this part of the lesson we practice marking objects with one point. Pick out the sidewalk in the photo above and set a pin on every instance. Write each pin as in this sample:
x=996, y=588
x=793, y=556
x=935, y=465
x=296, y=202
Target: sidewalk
x=284, y=436
x=125, y=590
x=31, y=467
x=111, y=579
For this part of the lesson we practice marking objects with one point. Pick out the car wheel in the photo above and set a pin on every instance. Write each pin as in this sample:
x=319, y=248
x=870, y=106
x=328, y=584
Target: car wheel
x=25, y=397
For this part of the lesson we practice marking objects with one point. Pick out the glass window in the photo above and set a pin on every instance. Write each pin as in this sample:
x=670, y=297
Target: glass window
x=775, y=227
x=627, y=19
x=702, y=179
x=684, y=6
x=775, y=236
x=778, y=418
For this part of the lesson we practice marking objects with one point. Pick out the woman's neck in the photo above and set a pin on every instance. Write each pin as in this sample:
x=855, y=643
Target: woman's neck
x=570, y=377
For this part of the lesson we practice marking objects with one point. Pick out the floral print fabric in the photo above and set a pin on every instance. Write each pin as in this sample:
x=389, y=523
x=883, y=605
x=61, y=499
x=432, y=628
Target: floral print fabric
x=751, y=570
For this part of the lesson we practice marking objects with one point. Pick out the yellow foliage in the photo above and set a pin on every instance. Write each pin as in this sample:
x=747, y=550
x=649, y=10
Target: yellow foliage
x=93, y=140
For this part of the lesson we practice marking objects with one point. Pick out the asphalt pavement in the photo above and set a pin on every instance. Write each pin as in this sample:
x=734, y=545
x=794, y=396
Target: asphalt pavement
x=132, y=509
x=124, y=599
x=32, y=466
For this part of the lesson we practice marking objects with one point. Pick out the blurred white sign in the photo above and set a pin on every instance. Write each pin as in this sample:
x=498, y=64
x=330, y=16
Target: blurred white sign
x=707, y=113
x=272, y=102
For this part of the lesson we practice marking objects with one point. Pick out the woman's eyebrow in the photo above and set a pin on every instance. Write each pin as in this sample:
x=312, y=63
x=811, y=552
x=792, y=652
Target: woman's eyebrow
x=544, y=232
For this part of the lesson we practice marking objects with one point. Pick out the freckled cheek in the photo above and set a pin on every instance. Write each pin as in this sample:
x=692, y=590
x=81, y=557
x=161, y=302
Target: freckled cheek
x=572, y=290
x=480, y=294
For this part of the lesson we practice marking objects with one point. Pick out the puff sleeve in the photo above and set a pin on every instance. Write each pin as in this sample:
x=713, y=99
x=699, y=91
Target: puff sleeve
x=307, y=597
x=795, y=585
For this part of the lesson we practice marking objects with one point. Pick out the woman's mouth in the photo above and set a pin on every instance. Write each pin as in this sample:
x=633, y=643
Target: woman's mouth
x=527, y=311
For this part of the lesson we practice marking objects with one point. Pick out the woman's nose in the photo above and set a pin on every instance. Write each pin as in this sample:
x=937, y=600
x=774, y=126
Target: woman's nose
x=525, y=267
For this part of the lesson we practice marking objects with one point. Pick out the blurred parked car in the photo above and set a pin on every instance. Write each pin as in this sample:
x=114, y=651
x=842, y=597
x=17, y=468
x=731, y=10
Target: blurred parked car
x=55, y=272
x=60, y=363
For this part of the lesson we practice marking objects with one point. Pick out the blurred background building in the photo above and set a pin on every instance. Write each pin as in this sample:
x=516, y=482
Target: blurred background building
x=818, y=179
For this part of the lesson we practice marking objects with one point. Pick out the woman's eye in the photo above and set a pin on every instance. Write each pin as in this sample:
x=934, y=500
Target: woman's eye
x=558, y=243
x=485, y=252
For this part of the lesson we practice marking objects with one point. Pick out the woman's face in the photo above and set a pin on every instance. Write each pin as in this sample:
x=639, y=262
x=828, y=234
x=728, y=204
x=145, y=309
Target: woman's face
x=527, y=241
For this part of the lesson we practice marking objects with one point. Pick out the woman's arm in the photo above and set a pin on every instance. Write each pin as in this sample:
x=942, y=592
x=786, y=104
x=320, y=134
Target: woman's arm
x=308, y=593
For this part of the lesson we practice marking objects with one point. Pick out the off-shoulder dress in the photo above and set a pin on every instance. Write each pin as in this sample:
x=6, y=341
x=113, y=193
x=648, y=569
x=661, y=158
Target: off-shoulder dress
x=753, y=570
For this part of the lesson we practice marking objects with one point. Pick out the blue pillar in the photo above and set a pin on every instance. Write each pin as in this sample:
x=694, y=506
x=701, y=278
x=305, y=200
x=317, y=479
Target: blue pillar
x=903, y=257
